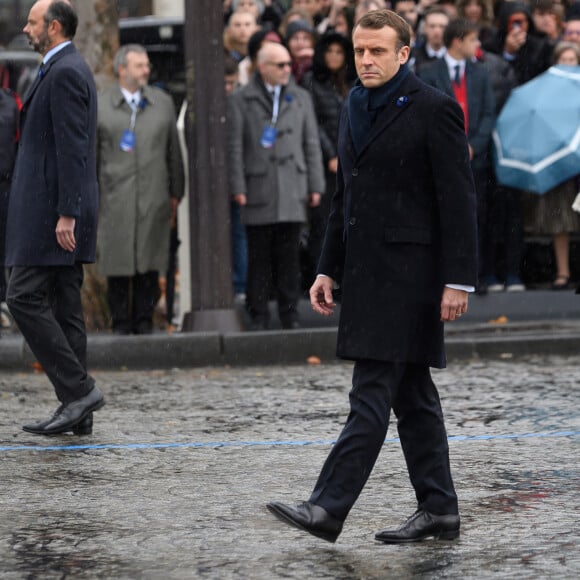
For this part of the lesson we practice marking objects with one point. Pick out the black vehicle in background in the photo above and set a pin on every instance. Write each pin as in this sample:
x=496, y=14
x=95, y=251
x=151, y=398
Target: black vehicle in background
x=163, y=40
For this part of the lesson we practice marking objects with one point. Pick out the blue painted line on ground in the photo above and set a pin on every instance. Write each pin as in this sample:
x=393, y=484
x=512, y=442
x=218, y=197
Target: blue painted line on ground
x=218, y=444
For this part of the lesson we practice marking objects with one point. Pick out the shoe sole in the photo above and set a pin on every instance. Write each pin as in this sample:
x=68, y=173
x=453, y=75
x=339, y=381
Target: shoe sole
x=76, y=430
x=287, y=520
x=441, y=536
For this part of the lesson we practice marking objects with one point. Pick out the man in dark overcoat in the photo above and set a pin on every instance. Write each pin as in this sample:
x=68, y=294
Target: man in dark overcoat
x=401, y=244
x=468, y=82
x=52, y=216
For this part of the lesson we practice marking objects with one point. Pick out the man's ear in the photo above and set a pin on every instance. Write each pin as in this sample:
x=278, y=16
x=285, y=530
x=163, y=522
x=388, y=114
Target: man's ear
x=55, y=28
x=404, y=53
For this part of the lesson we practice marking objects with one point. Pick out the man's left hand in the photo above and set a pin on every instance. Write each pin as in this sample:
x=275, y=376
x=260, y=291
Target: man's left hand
x=314, y=200
x=453, y=304
x=65, y=233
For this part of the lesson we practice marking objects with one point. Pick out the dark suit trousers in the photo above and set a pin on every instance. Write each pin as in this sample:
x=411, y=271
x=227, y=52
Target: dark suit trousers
x=46, y=304
x=377, y=388
x=273, y=256
x=132, y=301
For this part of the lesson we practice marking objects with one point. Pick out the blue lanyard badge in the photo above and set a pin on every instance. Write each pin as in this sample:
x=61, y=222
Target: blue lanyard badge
x=268, y=137
x=127, y=142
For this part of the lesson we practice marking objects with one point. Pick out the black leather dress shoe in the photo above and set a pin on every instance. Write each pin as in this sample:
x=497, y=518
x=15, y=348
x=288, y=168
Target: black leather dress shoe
x=71, y=414
x=308, y=517
x=84, y=427
x=422, y=525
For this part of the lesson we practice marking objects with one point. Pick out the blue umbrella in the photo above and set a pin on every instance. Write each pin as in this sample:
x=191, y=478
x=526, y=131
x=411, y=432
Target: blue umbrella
x=537, y=134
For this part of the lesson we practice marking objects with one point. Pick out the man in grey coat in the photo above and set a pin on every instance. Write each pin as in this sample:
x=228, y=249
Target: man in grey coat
x=141, y=179
x=275, y=170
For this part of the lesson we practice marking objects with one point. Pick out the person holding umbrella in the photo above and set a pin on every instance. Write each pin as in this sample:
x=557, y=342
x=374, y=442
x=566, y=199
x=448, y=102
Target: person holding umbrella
x=552, y=213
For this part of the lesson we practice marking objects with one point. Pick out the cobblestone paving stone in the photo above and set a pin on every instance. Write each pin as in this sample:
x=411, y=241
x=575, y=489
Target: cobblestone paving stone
x=199, y=512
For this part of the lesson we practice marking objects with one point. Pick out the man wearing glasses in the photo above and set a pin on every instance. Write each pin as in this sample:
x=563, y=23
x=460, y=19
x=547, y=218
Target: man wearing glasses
x=275, y=170
x=572, y=29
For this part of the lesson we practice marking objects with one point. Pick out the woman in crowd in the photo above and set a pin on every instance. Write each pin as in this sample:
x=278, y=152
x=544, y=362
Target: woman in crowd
x=328, y=82
x=293, y=15
x=300, y=40
x=480, y=13
x=552, y=212
x=265, y=11
x=344, y=22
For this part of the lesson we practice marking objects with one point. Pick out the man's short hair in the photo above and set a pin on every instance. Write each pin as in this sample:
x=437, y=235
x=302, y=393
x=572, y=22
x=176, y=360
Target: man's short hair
x=435, y=10
x=259, y=4
x=65, y=15
x=121, y=56
x=458, y=28
x=244, y=12
x=542, y=6
x=231, y=66
x=378, y=19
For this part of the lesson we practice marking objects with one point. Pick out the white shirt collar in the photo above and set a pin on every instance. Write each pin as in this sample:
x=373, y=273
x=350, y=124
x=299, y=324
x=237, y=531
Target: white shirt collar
x=432, y=53
x=276, y=89
x=452, y=63
x=131, y=97
x=54, y=50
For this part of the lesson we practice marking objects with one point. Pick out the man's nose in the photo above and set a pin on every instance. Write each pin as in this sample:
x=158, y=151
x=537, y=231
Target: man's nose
x=366, y=58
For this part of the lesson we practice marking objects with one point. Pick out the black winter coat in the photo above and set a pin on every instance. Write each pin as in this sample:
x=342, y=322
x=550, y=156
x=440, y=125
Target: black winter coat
x=402, y=225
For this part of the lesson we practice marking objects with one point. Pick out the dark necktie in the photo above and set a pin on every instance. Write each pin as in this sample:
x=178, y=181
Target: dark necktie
x=457, y=79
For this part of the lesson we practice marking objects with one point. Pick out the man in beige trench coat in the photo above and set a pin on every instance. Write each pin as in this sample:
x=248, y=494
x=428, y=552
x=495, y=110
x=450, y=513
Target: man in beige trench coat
x=141, y=181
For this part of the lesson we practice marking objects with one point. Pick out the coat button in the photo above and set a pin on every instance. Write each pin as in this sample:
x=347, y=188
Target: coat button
x=352, y=221
x=355, y=172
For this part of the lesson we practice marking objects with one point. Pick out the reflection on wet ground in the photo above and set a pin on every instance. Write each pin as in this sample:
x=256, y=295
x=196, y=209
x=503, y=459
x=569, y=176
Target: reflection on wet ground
x=198, y=512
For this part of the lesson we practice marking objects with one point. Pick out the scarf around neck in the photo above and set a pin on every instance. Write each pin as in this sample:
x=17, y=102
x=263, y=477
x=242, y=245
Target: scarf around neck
x=364, y=105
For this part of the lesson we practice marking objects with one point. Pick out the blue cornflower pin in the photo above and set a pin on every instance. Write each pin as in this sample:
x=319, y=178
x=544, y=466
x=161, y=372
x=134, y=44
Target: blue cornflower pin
x=142, y=104
x=288, y=98
x=402, y=100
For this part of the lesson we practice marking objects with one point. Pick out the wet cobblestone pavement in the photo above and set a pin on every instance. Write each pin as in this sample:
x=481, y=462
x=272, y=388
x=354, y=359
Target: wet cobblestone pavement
x=174, y=481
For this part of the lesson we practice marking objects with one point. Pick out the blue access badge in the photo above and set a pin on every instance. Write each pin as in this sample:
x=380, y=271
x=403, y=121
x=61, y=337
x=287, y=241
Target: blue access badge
x=268, y=137
x=127, y=143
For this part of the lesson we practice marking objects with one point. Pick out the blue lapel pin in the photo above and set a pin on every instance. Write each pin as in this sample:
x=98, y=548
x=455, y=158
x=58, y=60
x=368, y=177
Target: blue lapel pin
x=402, y=100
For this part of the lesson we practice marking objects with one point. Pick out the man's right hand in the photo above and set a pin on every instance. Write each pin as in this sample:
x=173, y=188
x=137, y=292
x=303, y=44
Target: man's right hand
x=321, y=295
x=514, y=40
x=240, y=199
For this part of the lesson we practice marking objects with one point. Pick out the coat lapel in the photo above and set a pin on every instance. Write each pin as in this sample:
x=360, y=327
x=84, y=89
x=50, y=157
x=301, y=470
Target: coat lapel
x=255, y=91
x=472, y=93
x=444, y=80
x=397, y=105
x=66, y=50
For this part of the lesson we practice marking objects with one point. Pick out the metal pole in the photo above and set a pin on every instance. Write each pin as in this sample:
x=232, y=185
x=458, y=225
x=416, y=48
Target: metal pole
x=209, y=215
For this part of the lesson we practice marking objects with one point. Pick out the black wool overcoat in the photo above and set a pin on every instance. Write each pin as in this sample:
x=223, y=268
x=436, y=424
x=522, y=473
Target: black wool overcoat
x=402, y=225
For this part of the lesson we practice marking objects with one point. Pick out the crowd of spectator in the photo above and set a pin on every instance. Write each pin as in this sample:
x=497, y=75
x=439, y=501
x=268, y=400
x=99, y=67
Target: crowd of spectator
x=477, y=51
